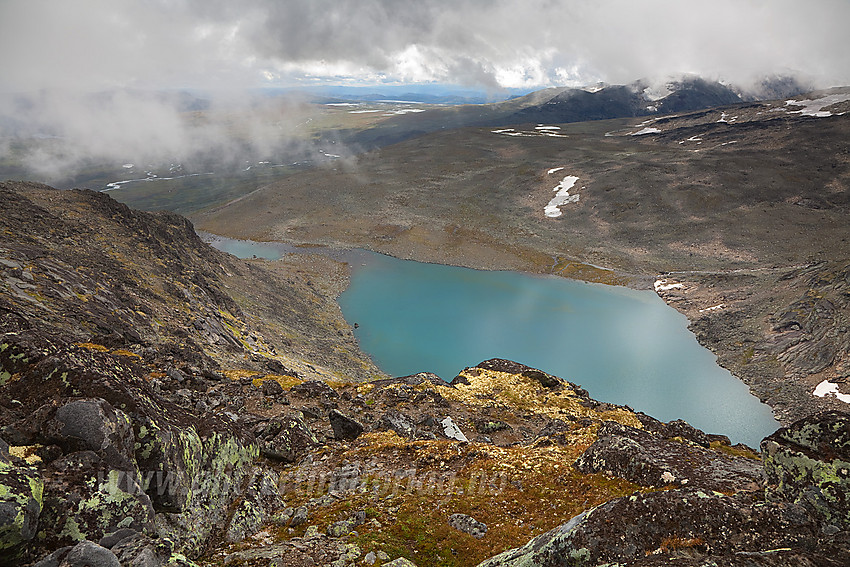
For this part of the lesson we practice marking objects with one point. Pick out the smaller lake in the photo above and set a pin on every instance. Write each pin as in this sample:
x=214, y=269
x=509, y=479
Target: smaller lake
x=623, y=346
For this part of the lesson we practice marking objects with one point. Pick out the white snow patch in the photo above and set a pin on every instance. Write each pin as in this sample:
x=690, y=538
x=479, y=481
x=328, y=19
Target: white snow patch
x=562, y=197
x=150, y=177
x=646, y=131
x=652, y=108
x=362, y=111
x=691, y=139
x=827, y=388
x=547, y=127
x=452, y=431
x=662, y=285
x=401, y=111
x=538, y=131
x=715, y=308
x=815, y=107
x=128, y=166
x=553, y=170
x=342, y=104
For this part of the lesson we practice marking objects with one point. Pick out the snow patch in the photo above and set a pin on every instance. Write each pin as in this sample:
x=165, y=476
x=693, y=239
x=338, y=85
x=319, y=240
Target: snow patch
x=562, y=197
x=715, y=308
x=553, y=170
x=827, y=388
x=128, y=166
x=538, y=131
x=662, y=285
x=815, y=108
x=647, y=130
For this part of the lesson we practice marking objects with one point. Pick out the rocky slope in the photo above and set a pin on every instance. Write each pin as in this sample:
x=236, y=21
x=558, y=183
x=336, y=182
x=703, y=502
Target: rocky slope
x=162, y=403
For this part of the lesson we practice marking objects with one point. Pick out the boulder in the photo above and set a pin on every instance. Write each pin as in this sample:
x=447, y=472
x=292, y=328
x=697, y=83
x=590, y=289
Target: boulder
x=271, y=387
x=85, y=499
x=648, y=459
x=398, y=422
x=94, y=424
x=259, y=502
x=292, y=441
x=808, y=463
x=468, y=524
x=345, y=527
x=452, y=431
x=21, y=503
x=89, y=554
x=344, y=427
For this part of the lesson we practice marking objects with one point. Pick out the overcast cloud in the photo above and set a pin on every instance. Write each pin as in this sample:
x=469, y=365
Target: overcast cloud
x=66, y=48
x=96, y=44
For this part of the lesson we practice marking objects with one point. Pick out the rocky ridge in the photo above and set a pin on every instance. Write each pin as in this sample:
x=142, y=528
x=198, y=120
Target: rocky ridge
x=131, y=434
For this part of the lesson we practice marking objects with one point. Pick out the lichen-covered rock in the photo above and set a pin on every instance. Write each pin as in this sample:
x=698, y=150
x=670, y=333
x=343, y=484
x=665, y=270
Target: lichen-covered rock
x=345, y=527
x=808, y=463
x=393, y=420
x=85, y=499
x=468, y=524
x=21, y=501
x=259, y=501
x=631, y=528
x=292, y=441
x=650, y=460
x=400, y=562
x=140, y=550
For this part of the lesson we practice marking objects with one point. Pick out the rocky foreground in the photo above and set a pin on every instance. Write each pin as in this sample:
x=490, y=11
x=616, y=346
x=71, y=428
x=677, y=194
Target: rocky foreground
x=162, y=403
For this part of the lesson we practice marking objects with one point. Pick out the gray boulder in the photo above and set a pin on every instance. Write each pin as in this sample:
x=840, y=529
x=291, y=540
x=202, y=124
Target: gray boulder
x=90, y=554
x=94, y=424
x=468, y=524
x=292, y=441
x=259, y=501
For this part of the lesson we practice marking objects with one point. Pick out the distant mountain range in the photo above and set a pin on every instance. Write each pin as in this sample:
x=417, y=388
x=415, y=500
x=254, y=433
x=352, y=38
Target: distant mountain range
x=560, y=105
x=640, y=99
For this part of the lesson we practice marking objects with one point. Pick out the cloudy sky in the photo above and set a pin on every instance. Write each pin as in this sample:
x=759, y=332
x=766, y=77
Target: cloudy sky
x=60, y=52
x=100, y=44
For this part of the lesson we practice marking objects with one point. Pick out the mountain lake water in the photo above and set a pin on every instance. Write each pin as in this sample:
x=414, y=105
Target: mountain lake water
x=622, y=345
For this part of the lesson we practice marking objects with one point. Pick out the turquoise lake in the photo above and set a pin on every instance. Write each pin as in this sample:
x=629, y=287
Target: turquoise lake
x=623, y=346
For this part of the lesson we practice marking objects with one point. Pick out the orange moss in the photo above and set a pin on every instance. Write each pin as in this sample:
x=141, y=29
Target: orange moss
x=92, y=347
